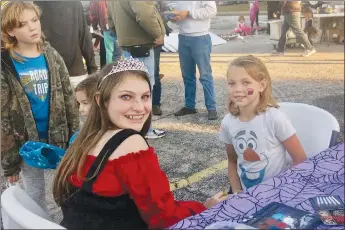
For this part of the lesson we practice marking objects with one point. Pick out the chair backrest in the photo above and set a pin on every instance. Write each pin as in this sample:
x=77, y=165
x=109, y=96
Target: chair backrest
x=315, y=127
x=19, y=211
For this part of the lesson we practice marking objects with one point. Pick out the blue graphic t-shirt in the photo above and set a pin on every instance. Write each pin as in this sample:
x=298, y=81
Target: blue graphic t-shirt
x=33, y=75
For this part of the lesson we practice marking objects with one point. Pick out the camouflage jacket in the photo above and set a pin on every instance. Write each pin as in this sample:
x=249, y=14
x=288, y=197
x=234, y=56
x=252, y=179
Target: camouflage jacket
x=17, y=121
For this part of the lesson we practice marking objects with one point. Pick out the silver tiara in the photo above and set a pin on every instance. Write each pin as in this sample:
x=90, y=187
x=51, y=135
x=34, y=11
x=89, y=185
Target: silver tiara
x=127, y=64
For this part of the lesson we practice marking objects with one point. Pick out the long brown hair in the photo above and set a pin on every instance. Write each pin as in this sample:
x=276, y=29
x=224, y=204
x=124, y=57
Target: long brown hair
x=258, y=71
x=9, y=21
x=96, y=124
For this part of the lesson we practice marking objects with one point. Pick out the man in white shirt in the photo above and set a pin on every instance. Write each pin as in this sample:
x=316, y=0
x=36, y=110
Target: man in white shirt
x=194, y=20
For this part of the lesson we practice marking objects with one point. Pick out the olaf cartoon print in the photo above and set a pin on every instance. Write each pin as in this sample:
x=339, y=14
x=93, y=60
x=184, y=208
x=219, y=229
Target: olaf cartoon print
x=255, y=161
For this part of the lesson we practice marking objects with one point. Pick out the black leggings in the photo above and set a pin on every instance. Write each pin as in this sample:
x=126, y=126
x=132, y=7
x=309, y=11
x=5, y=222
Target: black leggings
x=256, y=19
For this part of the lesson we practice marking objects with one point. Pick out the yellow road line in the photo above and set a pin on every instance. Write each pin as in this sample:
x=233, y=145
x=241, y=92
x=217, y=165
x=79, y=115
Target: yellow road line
x=199, y=175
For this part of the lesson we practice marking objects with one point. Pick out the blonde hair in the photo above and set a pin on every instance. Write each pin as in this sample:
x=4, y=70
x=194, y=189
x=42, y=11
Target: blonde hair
x=258, y=71
x=241, y=18
x=96, y=124
x=9, y=21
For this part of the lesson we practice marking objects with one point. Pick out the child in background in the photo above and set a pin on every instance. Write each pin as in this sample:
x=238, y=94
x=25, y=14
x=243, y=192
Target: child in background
x=254, y=14
x=84, y=93
x=37, y=100
x=241, y=28
x=309, y=29
x=256, y=134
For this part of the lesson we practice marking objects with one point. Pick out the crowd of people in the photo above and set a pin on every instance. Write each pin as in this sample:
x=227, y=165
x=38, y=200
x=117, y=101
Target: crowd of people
x=109, y=176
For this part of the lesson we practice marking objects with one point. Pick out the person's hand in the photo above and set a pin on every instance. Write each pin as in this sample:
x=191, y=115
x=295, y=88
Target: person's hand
x=13, y=178
x=210, y=202
x=159, y=41
x=180, y=15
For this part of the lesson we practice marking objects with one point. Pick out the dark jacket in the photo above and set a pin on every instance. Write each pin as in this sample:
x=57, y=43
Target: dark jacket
x=17, y=121
x=291, y=6
x=64, y=25
x=136, y=22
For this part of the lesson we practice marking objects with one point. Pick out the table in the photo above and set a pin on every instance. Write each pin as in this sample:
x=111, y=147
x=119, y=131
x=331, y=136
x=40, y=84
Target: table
x=323, y=174
x=323, y=35
x=331, y=15
x=318, y=20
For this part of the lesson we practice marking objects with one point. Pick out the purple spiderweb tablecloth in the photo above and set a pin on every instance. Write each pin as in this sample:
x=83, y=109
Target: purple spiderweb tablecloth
x=323, y=174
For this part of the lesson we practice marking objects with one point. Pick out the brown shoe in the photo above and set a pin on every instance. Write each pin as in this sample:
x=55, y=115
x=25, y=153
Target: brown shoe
x=185, y=111
x=161, y=76
x=156, y=110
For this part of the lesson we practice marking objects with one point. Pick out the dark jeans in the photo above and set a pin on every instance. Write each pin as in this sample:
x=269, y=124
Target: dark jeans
x=293, y=20
x=157, y=87
x=102, y=52
x=196, y=51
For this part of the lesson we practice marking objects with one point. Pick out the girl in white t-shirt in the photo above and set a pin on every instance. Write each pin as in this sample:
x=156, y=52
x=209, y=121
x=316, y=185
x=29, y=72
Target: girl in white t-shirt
x=255, y=132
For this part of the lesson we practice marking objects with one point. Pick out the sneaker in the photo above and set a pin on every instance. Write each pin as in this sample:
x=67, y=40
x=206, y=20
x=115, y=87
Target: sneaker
x=212, y=115
x=155, y=134
x=185, y=111
x=277, y=53
x=156, y=110
x=307, y=53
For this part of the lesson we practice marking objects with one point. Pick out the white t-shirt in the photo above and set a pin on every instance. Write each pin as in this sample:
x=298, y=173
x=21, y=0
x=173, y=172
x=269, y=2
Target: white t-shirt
x=261, y=155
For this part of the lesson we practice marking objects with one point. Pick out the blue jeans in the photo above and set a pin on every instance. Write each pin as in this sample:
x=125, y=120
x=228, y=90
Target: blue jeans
x=157, y=88
x=117, y=51
x=196, y=51
x=149, y=62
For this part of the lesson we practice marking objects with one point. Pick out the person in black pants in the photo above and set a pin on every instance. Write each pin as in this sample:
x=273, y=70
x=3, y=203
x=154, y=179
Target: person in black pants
x=98, y=20
x=157, y=87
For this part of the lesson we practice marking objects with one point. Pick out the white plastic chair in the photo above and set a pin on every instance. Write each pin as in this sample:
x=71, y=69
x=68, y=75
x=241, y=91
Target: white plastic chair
x=19, y=211
x=316, y=128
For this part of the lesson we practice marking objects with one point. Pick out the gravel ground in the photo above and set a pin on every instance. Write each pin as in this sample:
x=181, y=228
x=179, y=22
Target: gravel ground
x=192, y=144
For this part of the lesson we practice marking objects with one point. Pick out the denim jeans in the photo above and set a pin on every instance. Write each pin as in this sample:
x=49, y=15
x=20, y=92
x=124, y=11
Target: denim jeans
x=117, y=51
x=293, y=20
x=196, y=51
x=157, y=88
x=149, y=62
